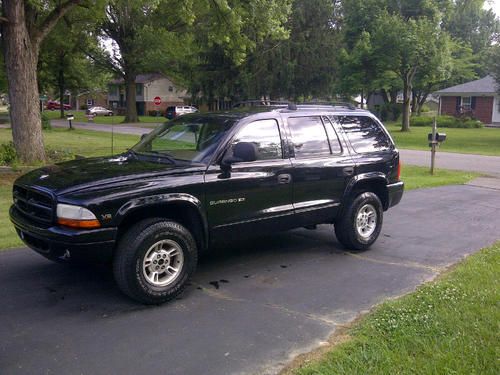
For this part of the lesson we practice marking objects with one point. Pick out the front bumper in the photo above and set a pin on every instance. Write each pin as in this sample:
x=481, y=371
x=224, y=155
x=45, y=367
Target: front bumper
x=57, y=242
x=395, y=192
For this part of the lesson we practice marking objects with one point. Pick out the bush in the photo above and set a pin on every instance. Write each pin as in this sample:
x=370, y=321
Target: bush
x=46, y=125
x=390, y=111
x=8, y=153
x=446, y=122
x=154, y=112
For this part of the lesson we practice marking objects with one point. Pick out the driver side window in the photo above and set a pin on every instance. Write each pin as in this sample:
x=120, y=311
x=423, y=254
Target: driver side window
x=265, y=135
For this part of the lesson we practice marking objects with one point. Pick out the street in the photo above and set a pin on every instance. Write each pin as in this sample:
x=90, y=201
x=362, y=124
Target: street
x=252, y=305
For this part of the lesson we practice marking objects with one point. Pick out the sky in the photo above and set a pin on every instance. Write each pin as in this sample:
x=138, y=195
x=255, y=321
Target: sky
x=495, y=5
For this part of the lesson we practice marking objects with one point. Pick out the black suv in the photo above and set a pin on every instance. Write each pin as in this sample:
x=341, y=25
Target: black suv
x=202, y=178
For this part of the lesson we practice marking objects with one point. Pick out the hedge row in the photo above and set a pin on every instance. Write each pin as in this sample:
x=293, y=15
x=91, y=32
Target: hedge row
x=446, y=122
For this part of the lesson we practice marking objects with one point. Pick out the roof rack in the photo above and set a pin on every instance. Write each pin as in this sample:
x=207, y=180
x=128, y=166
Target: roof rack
x=330, y=104
x=261, y=103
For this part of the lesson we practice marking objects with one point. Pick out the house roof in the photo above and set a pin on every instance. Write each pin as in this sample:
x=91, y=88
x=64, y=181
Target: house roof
x=486, y=85
x=141, y=78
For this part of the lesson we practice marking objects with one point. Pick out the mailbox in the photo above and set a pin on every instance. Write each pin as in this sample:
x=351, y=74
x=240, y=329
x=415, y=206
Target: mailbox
x=70, y=117
x=440, y=137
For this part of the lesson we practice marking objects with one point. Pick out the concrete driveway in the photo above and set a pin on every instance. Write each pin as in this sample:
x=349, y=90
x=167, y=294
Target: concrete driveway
x=252, y=305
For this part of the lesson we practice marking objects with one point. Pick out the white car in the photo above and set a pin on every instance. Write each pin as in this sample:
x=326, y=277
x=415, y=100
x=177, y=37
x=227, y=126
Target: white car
x=96, y=111
x=179, y=110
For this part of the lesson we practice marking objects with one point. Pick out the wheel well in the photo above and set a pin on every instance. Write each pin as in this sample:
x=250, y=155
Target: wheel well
x=375, y=186
x=183, y=213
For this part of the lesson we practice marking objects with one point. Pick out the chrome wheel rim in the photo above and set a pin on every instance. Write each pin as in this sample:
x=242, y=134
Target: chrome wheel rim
x=366, y=221
x=162, y=263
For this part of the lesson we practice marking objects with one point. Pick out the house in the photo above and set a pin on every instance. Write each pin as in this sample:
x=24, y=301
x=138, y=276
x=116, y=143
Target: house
x=479, y=98
x=148, y=86
x=87, y=99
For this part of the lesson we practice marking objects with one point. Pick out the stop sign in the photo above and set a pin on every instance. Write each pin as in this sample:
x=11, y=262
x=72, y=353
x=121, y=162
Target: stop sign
x=157, y=100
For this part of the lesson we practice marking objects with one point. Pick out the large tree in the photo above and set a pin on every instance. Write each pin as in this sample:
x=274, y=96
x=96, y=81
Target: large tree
x=170, y=36
x=24, y=25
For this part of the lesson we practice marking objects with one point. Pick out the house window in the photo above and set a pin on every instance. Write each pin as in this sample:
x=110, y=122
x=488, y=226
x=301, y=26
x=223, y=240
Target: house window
x=139, y=89
x=170, y=88
x=466, y=103
x=113, y=90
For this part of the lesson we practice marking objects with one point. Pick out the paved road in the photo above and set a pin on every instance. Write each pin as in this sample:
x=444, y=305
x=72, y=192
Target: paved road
x=118, y=128
x=251, y=307
x=447, y=160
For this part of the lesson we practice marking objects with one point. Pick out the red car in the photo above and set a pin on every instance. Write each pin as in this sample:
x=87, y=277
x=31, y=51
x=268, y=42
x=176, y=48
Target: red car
x=53, y=105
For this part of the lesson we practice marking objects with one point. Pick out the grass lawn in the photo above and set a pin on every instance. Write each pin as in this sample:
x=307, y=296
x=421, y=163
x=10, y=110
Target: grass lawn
x=80, y=116
x=420, y=177
x=81, y=142
x=449, y=326
x=484, y=141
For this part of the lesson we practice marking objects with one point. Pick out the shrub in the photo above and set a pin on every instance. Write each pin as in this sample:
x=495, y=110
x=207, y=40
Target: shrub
x=154, y=113
x=446, y=122
x=8, y=153
x=390, y=111
x=46, y=125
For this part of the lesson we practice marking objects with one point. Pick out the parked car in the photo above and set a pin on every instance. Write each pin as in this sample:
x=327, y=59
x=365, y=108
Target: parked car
x=99, y=111
x=175, y=111
x=202, y=179
x=53, y=105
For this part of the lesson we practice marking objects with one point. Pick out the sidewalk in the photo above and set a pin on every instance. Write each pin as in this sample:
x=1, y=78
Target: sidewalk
x=127, y=128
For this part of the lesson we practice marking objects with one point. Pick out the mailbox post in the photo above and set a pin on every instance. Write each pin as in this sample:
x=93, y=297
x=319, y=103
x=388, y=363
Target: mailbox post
x=435, y=139
x=70, y=118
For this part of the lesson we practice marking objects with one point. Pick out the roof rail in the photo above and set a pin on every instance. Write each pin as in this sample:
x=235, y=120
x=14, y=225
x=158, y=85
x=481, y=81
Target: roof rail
x=261, y=103
x=332, y=104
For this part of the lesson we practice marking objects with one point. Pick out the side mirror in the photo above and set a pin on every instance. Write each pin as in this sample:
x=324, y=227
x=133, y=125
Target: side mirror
x=242, y=152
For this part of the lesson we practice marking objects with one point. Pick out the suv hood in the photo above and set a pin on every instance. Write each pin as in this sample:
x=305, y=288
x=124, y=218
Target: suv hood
x=88, y=173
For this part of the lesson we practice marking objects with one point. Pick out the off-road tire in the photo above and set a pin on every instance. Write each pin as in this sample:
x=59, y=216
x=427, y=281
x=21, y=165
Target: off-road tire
x=345, y=227
x=131, y=249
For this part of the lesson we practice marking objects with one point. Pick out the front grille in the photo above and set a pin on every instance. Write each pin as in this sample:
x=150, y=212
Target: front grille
x=34, y=204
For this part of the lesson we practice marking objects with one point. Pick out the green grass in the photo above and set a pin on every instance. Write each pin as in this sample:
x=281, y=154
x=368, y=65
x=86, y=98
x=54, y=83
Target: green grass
x=484, y=141
x=8, y=235
x=420, y=177
x=450, y=326
x=80, y=117
x=81, y=142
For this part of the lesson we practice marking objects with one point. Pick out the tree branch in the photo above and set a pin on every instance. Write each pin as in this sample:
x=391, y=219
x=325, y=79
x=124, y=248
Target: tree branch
x=53, y=17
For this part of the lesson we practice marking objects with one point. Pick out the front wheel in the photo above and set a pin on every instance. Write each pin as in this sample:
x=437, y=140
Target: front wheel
x=154, y=260
x=361, y=222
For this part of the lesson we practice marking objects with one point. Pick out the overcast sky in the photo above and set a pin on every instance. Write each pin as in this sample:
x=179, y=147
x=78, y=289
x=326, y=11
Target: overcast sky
x=495, y=5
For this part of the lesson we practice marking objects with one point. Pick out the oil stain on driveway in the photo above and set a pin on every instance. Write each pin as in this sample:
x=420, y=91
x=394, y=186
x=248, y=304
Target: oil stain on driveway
x=252, y=305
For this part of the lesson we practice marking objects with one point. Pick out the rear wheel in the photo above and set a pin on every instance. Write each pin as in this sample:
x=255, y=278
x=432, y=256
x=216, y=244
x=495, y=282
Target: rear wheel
x=154, y=260
x=361, y=222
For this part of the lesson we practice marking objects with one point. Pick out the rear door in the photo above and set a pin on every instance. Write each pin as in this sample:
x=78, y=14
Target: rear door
x=255, y=197
x=322, y=167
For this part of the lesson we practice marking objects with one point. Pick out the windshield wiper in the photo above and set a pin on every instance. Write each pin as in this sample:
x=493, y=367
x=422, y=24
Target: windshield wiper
x=161, y=155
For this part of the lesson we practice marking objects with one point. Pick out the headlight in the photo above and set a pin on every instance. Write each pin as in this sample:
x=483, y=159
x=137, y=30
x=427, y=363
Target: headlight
x=76, y=217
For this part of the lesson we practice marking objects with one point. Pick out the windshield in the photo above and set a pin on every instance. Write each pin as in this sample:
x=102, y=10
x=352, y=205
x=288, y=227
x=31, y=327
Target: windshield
x=188, y=138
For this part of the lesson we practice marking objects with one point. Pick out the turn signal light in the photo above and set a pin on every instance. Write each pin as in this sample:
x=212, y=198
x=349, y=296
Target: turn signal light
x=81, y=224
x=399, y=169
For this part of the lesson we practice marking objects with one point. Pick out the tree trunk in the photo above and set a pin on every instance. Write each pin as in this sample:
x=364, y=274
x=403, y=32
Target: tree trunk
x=131, y=115
x=406, y=103
x=21, y=58
x=421, y=102
x=60, y=83
x=414, y=101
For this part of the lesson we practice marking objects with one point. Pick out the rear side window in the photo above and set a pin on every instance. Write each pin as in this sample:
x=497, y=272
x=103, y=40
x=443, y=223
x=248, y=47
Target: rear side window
x=265, y=135
x=308, y=136
x=364, y=134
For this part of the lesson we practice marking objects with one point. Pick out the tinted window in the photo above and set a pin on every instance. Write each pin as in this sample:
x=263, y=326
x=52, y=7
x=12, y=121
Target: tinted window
x=265, y=135
x=308, y=136
x=332, y=136
x=364, y=134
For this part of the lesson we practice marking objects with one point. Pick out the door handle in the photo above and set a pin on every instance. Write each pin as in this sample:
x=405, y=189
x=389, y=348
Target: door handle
x=284, y=178
x=348, y=171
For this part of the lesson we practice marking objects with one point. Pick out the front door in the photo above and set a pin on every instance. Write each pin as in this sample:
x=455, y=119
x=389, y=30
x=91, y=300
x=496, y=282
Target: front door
x=255, y=197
